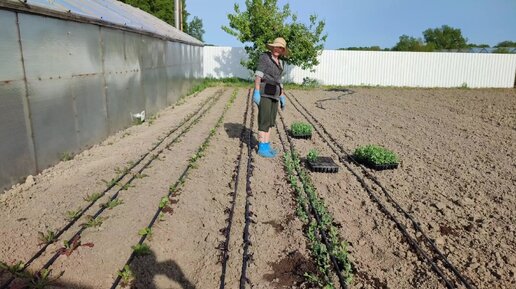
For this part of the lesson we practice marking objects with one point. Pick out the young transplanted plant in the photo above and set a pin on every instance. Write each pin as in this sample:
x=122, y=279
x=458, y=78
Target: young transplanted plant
x=312, y=155
x=301, y=129
x=376, y=155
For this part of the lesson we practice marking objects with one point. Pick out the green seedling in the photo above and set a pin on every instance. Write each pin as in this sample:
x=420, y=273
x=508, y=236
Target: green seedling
x=113, y=203
x=127, y=186
x=48, y=238
x=93, y=222
x=70, y=245
x=163, y=202
x=122, y=171
x=141, y=249
x=72, y=215
x=301, y=129
x=110, y=183
x=376, y=155
x=307, y=194
x=140, y=176
x=15, y=269
x=161, y=216
x=312, y=155
x=127, y=276
x=42, y=279
x=92, y=197
x=145, y=232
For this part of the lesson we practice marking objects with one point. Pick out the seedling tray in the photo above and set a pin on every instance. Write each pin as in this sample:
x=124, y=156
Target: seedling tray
x=300, y=136
x=374, y=166
x=323, y=165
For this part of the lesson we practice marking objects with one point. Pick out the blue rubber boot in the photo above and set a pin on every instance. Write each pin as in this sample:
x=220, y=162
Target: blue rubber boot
x=273, y=151
x=263, y=150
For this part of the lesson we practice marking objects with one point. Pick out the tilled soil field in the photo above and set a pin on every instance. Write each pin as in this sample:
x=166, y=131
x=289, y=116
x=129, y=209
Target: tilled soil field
x=213, y=214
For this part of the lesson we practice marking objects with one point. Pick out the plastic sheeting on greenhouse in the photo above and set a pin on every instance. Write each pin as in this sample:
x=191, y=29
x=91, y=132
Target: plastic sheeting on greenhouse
x=108, y=11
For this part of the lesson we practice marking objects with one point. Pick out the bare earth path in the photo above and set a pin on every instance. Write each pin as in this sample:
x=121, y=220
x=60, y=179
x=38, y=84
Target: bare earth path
x=457, y=178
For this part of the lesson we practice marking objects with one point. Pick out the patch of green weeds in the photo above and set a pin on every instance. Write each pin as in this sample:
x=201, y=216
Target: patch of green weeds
x=66, y=156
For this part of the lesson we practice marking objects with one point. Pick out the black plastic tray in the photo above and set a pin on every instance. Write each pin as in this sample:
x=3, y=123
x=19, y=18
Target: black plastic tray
x=323, y=165
x=300, y=136
x=374, y=166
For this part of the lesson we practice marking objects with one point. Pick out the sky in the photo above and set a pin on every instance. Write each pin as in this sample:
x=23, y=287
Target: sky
x=376, y=22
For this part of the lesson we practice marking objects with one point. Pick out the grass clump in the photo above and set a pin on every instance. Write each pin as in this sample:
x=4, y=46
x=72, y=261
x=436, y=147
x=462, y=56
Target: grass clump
x=301, y=129
x=376, y=155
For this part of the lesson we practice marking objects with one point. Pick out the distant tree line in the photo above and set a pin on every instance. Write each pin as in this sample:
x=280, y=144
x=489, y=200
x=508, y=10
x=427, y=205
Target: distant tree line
x=164, y=10
x=444, y=38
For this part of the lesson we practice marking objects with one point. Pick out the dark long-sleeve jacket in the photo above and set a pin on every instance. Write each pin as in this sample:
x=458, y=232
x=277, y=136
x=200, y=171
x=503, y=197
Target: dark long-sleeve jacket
x=271, y=73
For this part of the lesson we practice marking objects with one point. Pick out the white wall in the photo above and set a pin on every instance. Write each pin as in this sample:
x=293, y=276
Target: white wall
x=384, y=68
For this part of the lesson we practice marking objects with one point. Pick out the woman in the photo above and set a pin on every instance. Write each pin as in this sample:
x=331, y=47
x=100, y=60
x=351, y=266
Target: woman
x=268, y=91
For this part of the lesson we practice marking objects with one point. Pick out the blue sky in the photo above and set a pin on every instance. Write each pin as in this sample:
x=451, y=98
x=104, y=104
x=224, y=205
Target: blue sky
x=377, y=22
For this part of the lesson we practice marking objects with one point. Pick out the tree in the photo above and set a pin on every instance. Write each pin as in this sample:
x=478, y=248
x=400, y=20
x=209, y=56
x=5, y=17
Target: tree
x=472, y=45
x=263, y=21
x=195, y=28
x=163, y=9
x=365, y=48
x=445, y=37
x=506, y=43
x=409, y=43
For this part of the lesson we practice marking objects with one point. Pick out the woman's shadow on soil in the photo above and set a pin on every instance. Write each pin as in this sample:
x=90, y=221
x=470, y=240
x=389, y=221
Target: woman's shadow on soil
x=234, y=130
x=145, y=268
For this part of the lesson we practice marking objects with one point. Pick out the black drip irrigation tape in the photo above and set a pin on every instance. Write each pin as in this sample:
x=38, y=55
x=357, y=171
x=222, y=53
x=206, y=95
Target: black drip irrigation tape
x=114, y=183
x=227, y=231
x=180, y=181
x=415, y=224
x=324, y=237
x=249, y=192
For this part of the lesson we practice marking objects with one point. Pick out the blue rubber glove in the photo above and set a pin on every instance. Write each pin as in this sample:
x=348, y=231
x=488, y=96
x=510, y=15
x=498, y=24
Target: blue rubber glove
x=283, y=102
x=256, y=96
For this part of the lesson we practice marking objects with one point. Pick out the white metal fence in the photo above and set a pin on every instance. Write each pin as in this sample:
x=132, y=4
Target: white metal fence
x=384, y=68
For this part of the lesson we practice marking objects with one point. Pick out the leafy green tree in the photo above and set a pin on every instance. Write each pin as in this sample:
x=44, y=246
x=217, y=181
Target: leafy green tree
x=409, y=43
x=262, y=21
x=506, y=43
x=163, y=9
x=445, y=37
x=195, y=28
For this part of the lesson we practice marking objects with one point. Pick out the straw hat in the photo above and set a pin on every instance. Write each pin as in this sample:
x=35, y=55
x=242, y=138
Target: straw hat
x=279, y=42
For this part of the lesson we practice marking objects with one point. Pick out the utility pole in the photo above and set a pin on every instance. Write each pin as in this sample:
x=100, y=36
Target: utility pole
x=176, y=10
x=181, y=15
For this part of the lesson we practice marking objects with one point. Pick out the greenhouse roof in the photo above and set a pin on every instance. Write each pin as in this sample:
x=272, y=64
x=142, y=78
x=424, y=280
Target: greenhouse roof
x=102, y=12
